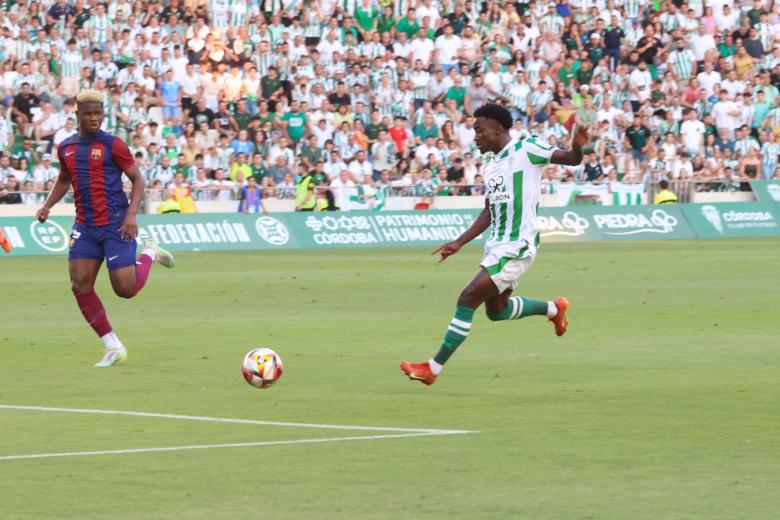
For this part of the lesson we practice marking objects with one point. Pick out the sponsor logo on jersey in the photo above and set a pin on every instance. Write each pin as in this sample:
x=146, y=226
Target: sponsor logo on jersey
x=74, y=235
x=497, y=191
x=496, y=185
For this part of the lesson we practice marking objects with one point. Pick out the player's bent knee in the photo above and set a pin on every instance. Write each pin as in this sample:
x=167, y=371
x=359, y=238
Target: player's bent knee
x=81, y=287
x=124, y=292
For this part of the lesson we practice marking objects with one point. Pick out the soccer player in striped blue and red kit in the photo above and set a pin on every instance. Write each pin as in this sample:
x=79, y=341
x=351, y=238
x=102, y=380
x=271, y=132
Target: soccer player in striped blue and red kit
x=92, y=162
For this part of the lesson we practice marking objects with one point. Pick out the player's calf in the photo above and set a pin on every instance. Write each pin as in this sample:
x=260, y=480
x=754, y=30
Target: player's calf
x=519, y=307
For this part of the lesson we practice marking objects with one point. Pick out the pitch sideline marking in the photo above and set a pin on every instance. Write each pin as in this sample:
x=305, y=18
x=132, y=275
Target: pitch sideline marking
x=227, y=420
x=233, y=445
x=408, y=432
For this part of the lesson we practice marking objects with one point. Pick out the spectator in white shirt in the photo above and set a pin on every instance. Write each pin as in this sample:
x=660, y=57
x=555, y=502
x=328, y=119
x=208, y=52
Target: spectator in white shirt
x=447, y=48
x=360, y=167
x=692, y=131
x=701, y=42
x=422, y=48
x=44, y=172
x=343, y=187
x=726, y=113
x=63, y=133
x=708, y=78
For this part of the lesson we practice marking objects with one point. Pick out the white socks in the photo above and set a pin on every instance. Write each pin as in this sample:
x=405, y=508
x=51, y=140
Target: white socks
x=435, y=367
x=552, y=310
x=150, y=253
x=111, y=341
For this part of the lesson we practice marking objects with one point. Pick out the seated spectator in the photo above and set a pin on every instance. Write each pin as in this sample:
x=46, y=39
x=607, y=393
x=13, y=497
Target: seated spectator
x=169, y=205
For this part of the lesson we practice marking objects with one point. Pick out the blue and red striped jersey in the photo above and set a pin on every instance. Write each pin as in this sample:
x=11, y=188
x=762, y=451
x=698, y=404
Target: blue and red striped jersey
x=95, y=165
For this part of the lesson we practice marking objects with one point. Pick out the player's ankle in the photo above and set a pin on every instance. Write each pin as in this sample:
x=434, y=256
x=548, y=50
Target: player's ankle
x=435, y=367
x=552, y=310
x=112, y=342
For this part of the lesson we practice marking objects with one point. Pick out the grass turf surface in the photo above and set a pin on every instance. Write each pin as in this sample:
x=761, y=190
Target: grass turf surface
x=660, y=402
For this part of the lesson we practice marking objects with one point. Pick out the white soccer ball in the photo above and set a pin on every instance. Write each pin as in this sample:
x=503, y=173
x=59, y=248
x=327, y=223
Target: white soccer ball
x=262, y=367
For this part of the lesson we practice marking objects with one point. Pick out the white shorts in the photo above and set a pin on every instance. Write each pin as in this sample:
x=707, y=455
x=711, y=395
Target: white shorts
x=505, y=267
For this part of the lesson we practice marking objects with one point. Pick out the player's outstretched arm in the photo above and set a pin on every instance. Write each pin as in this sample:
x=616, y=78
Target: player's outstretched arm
x=481, y=223
x=572, y=157
x=61, y=187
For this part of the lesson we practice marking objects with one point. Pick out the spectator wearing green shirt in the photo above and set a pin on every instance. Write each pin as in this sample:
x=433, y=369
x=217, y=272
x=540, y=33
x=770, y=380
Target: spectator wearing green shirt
x=408, y=25
x=457, y=92
x=595, y=48
x=566, y=71
x=271, y=87
x=366, y=16
x=386, y=21
x=638, y=136
x=375, y=127
x=264, y=115
x=426, y=129
x=242, y=115
x=585, y=74
x=259, y=171
x=310, y=152
x=295, y=123
x=726, y=47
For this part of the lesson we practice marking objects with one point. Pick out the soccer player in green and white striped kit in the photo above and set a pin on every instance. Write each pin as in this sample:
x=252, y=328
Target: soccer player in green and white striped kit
x=512, y=189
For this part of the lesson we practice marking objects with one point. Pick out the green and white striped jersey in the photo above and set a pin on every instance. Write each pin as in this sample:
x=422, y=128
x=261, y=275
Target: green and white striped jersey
x=682, y=63
x=512, y=188
x=313, y=25
x=770, y=153
x=98, y=28
x=420, y=82
x=631, y=8
x=238, y=13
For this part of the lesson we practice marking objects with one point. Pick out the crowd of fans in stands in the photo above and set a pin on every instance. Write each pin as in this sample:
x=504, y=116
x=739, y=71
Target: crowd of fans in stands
x=379, y=93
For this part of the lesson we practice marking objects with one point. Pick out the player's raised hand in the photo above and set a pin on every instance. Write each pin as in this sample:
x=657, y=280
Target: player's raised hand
x=580, y=138
x=129, y=228
x=42, y=214
x=446, y=250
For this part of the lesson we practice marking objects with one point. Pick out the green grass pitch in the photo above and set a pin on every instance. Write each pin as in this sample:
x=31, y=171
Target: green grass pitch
x=660, y=403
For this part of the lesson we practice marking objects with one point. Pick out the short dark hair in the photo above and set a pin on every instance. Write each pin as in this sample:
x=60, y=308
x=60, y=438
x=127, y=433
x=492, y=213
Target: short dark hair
x=664, y=184
x=497, y=113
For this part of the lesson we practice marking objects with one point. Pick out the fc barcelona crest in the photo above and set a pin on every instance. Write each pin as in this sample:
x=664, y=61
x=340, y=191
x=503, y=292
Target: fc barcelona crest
x=97, y=153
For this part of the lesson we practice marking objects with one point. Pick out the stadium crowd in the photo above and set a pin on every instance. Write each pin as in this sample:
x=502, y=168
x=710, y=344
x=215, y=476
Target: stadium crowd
x=374, y=97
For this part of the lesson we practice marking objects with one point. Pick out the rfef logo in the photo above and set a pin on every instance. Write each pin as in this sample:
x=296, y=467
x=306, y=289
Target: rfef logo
x=49, y=235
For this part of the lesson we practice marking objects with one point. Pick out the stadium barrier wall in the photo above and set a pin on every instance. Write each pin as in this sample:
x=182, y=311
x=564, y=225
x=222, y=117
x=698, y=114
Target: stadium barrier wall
x=767, y=191
x=233, y=231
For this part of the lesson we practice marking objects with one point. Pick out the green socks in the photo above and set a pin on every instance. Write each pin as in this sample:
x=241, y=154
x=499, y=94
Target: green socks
x=519, y=307
x=457, y=332
x=460, y=326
